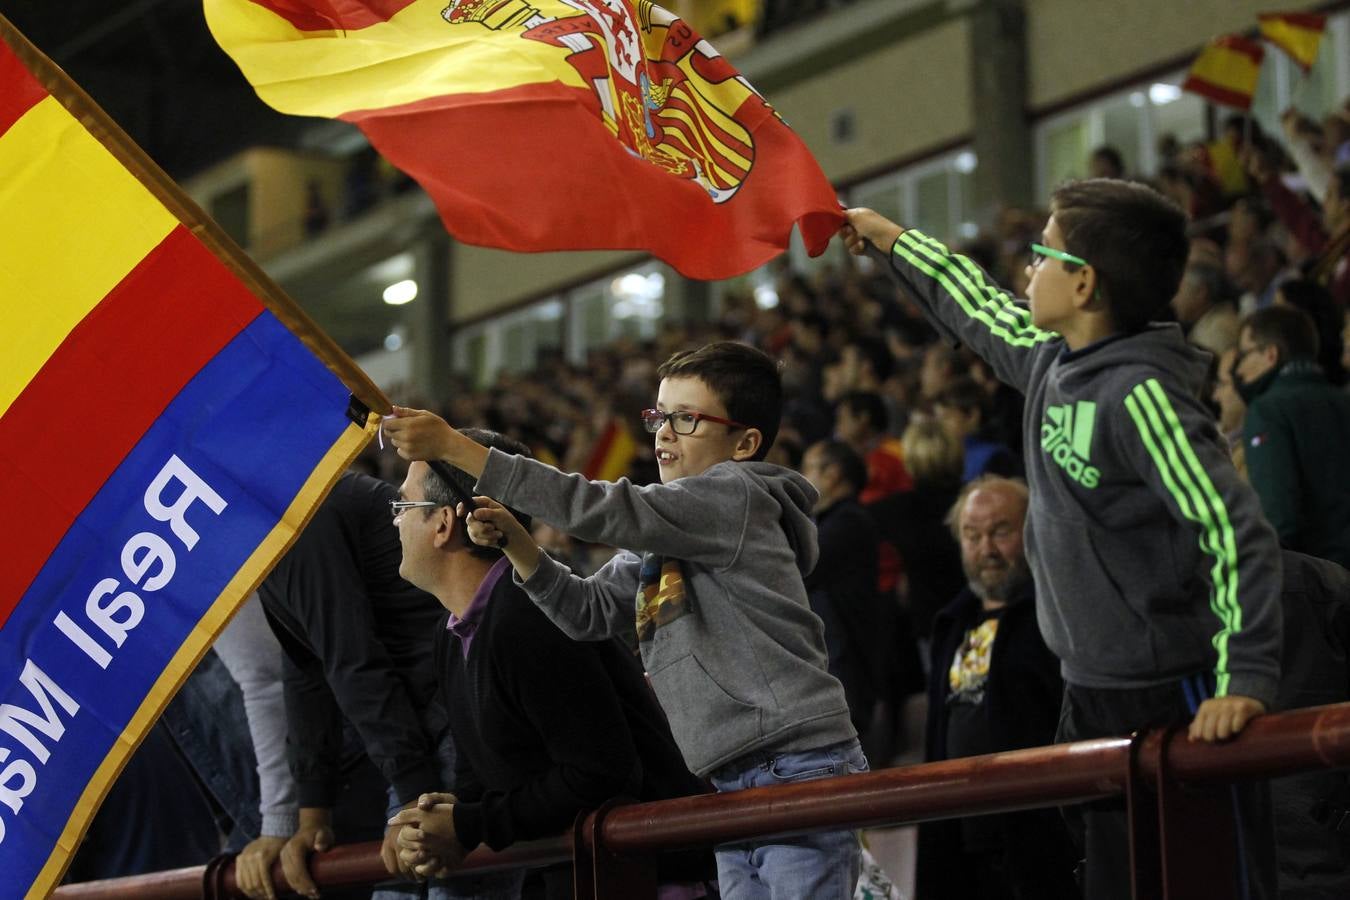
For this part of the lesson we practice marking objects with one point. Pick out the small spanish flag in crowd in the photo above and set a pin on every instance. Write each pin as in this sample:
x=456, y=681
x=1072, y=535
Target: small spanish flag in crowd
x=1298, y=34
x=549, y=124
x=166, y=428
x=613, y=454
x=1226, y=71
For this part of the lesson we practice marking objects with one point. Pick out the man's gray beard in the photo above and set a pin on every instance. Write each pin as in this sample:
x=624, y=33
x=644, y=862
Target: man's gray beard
x=1014, y=578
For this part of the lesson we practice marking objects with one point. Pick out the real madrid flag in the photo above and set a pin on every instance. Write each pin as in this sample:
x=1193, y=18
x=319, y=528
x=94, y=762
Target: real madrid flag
x=549, y=124
x=168, y=421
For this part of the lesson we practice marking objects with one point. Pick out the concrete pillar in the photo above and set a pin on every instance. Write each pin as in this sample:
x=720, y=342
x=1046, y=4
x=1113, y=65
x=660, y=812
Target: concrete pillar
x=1003, y=143
x=430, y=320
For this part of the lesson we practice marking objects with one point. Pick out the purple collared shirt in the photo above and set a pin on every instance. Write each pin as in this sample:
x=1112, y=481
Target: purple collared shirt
x=464, y=627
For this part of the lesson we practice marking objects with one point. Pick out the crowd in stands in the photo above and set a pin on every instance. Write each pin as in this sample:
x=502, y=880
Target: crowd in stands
x=915, y=450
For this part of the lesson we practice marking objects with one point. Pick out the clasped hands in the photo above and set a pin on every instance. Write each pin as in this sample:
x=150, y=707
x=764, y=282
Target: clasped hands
x=426, y=840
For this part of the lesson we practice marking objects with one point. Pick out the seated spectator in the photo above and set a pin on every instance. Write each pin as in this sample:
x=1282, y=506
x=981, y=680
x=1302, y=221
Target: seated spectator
x=912, y=521
x=1203, y=308
x=1296, y=430
x=1310, y=808
x=842, y=587
x=962, y=410
x=544, y=727
x=357, y=642
x=1326, y=237
x=1232, y=409
x=992, y=686
x=1316, y=301
x=862, y=423
x=1106, y=162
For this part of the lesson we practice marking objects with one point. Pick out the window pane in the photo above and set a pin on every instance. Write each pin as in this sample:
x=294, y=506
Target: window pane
x=1066, y=151
x=933, y=204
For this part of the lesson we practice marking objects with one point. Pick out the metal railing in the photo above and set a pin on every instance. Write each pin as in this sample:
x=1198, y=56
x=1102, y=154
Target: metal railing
x=614, y=849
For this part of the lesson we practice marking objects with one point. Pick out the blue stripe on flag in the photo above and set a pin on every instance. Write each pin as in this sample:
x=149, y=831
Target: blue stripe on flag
x=253, y=424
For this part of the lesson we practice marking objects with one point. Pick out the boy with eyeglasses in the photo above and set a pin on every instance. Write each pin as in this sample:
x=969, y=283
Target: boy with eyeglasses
x=1157, y=579
x=715, y=558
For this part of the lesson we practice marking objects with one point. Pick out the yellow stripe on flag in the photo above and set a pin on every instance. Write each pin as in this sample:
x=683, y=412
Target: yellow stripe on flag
x=73, y=223
x=415, y=55
x=1296, y=35
x=1228, y=69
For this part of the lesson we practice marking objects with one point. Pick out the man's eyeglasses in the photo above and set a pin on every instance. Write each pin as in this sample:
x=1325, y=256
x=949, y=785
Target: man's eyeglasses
x=682, y=422
x=1039, y=252
x=399, y=507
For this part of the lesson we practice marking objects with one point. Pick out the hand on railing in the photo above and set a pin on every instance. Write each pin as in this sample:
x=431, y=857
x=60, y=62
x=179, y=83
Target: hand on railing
x=427, y=843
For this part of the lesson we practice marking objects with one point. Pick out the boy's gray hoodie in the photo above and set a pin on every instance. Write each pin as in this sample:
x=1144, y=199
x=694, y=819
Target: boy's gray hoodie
x=1151, y=557
x=741, y=665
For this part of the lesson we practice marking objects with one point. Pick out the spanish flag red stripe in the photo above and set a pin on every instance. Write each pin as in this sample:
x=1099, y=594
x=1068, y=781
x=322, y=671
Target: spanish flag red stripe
x=528, y=142
x=21, y=91
x=108, y=381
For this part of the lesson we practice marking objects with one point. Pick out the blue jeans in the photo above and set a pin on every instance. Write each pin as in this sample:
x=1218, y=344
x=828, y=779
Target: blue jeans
x=820, y=866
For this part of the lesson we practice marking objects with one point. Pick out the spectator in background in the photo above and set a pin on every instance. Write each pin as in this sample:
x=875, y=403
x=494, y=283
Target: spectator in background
x=961, y=410
x=842, y=587
x=1257, y=269
x=1232, y=409
x=1203, y=308
x=941, y=363
x=1106, y=162
x=1296, y=433
x=861, y=422
x=993, y=686
x=912, y=522
x=1316, y=301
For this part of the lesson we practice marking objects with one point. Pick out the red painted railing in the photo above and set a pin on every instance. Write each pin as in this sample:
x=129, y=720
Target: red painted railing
x=614, y=849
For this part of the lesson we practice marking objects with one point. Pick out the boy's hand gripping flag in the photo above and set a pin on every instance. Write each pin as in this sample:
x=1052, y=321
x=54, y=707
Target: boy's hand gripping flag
x=549, y=124
x=168, y=421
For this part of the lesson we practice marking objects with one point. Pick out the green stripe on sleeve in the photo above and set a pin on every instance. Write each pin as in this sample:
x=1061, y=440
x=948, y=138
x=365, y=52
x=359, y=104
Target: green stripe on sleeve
x=1165, y=440
x=940, y=266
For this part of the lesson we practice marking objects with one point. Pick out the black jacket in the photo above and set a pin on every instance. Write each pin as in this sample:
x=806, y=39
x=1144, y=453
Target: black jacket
x=1022, y=701
x=545, y=727
x=358, y=642
x=1314, y=857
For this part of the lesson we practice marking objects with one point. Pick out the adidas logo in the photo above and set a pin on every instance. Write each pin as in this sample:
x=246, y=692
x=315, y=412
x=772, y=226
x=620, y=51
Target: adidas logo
x=1066, y=434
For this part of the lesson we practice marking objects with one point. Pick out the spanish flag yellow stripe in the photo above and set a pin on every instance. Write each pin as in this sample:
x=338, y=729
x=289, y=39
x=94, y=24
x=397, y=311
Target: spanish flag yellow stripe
x=1228, y=69
x=415, y=55
x=76, y=222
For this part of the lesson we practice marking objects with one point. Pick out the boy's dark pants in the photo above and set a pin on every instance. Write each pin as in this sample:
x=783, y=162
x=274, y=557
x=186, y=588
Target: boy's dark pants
x=1101, y=828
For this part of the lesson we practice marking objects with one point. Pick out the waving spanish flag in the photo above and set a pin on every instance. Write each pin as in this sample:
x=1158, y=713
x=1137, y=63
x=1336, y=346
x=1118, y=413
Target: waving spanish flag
x=164, y=432
x=1298, y=34
x=548, y=124
x=1226, y=71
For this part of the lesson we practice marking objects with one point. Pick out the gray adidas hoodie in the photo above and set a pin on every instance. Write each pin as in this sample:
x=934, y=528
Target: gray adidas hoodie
x=1151, y=557
x=742, y=666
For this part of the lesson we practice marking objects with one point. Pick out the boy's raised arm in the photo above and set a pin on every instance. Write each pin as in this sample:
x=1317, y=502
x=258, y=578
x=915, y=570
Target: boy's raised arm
x=954, y=292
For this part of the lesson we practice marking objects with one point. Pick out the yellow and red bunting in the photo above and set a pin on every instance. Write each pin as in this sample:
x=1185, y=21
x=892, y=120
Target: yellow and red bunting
x=1226, y=71
x=1298, y=34
x=613, y=454
x=549, y=125
x=140, y=349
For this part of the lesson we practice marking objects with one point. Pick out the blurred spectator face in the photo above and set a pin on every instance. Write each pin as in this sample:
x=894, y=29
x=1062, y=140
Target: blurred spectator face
x=1192, y=299
x=936, y=371
x=957, y=422
x=1345, y=342
x=1253, y=360
x=1105, y=164
x=1336, y=209
x=681, y=455
x=990, y=525
x=825, y=478
x=1225, y=396
x=850, y=427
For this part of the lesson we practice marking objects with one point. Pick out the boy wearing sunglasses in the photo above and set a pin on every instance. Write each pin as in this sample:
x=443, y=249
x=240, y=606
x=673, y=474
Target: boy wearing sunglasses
x=1157, y=579
x=715, y=556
